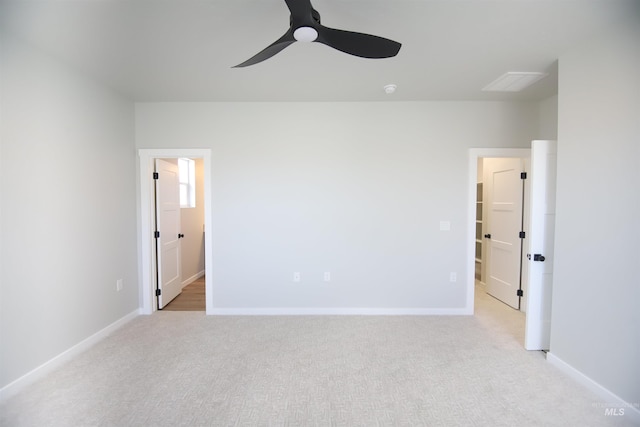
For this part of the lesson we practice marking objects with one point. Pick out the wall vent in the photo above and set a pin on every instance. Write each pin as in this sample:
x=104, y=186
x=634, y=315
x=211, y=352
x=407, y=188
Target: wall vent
x=513, y=81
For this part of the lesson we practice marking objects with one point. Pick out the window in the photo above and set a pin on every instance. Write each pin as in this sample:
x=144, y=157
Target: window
x=187, y=172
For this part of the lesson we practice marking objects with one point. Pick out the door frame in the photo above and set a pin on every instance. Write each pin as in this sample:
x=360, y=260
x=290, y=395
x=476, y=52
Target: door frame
x=146, y=266
x=474, y=155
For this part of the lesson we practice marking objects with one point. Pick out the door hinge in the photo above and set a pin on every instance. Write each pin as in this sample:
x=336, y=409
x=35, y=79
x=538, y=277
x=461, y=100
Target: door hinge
x=520, y=293
x=156, y=234
x=158, y=292
x=522, y=234
x=156, y=175
x=523, y=175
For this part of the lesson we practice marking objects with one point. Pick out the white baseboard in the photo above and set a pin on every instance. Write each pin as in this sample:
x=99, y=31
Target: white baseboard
x=339, y=311
x=611, y=400
x=193, y=278
x=32, y=376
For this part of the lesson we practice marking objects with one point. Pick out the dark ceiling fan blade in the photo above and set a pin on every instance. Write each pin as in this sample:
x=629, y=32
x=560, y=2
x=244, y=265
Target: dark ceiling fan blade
x=358, y=44
x=270, y=50
x=300, y=9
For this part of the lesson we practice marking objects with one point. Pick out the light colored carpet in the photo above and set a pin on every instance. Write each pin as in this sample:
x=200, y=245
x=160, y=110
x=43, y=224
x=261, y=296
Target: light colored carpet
x=187, y=369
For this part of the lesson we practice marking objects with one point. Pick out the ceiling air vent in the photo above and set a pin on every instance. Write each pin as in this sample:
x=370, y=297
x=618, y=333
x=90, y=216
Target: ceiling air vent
x=513, y=81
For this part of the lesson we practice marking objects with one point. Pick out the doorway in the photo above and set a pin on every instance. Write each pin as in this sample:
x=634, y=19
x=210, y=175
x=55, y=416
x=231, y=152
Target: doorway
x=146, y=240
x=476, y=240
x=540, y=190
x=500, y=233
x=501, y=228
x=179, y=214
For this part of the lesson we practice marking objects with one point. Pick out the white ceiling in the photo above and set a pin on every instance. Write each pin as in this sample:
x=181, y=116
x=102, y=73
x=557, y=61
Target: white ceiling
x=183, y=50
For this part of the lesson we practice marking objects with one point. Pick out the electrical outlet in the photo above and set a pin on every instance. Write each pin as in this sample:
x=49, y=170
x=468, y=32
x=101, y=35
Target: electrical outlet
x=119, y=285
x=327, y=276
x=296, y=276
x=453, y=277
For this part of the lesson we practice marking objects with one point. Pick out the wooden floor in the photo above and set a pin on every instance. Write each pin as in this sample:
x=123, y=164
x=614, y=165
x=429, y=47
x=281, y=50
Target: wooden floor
x=191, y=298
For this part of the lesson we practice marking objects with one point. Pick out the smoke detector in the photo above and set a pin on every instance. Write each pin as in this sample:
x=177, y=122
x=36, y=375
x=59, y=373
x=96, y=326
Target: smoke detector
x=389, y=89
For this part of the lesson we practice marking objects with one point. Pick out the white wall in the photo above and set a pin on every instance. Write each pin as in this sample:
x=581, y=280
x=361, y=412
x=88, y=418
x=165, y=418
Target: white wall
x=192, y=222
x=596, y=289
x=548, y=114
x=357, y=189
x=68, y=225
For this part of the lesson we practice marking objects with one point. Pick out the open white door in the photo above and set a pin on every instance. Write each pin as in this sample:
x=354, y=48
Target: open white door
x=504, y=255
x=168, y=227
x=541, y=238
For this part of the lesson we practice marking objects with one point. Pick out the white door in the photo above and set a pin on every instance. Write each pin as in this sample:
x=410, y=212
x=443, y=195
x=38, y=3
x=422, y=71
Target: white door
x=168, y=225
x=541, y=238
x=504, y=225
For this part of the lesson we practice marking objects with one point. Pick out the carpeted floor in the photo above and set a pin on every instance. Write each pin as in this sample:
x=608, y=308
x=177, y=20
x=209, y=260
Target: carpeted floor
x=311, y=371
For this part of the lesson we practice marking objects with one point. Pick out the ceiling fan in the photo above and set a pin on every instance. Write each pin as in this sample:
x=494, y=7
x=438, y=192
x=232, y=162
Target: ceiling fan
x=305, y=27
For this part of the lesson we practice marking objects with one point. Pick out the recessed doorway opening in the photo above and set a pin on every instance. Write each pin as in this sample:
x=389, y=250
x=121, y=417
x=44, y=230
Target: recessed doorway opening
x=537, y=229
x=147, y=221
